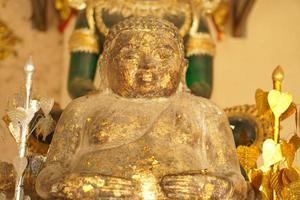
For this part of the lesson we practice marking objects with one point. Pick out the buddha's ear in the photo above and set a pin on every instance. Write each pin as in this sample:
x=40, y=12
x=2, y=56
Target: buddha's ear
x=184, y=66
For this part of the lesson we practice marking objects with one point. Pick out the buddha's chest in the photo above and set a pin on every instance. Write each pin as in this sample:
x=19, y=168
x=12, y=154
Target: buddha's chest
x=122, y=141
x=166, y=129
x=124, y=144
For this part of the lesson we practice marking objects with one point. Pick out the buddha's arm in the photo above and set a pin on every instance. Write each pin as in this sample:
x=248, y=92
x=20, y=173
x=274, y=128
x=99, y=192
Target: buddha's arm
x=62, y=149
x=58, y=179
x=221, y=178
x=84, y=56
x=221, y=154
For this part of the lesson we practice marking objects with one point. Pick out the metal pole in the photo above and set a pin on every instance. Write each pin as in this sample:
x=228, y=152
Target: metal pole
x=19, y=188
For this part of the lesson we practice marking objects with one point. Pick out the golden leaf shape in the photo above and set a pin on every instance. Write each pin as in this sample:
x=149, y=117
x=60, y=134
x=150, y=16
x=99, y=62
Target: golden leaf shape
x=256, y=177
x=288, y=152
x=15, y=132
x=292, y=192
x=279, y=102
x=17, y=115
x=271, y=154
x=261, y=98
x=289, y=175
x=265, y=188
x=46, y=105
x=45, y=126
x=248, y=156
x=295, y=140
x=290, y=111
x=276, y=182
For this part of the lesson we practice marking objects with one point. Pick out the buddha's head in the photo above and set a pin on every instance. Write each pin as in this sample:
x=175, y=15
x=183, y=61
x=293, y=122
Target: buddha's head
x=144, y=57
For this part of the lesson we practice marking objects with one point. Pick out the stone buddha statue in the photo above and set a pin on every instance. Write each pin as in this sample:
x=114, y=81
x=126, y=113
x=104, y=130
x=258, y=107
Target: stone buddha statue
x=143, y=135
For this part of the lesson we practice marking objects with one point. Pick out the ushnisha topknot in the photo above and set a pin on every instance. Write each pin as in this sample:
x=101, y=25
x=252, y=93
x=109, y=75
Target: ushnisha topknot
x=148, y=23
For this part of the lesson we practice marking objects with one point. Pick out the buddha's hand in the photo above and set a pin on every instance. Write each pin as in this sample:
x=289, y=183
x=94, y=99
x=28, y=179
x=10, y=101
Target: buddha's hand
x=49, y=176
x=196, y=186
x=90, y=186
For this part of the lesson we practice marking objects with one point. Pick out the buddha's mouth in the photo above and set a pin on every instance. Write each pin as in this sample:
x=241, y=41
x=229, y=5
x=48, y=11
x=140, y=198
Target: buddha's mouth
x=145, y=76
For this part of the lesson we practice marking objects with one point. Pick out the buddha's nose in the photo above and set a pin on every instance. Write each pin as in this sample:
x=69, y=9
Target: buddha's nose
x=148, y=63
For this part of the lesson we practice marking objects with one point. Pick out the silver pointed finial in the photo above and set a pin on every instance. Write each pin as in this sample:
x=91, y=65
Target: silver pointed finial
x=29, y=67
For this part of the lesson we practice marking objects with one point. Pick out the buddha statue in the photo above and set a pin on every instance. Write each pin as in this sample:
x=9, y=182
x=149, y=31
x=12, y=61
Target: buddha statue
x=143, y=135
x=94, y=22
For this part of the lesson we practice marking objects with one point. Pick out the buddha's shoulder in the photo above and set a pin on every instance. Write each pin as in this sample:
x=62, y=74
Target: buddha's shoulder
x=201, y=104
x=86, y=103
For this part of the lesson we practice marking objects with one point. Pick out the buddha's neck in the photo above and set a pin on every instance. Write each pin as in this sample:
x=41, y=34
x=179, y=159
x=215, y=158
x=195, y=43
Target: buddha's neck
x=145, y=98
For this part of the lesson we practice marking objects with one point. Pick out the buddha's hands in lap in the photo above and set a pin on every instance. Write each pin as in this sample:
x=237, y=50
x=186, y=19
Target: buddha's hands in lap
x=78, y=186
x=196, y=186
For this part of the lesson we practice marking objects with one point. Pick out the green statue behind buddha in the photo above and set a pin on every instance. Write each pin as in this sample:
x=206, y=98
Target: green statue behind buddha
x=93, y=24
x=143, y=135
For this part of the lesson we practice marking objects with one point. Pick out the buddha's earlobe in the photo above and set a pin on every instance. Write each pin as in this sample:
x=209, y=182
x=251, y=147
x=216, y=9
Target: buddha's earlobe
x=184, y=66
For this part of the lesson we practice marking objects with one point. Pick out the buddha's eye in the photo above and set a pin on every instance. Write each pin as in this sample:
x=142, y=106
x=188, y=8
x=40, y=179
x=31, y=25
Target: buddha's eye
x=128, y=55
x=162, y=53
x=131, y=56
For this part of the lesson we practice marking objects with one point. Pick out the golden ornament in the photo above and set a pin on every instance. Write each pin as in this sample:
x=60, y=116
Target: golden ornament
x=295, y=140
x=7, y=41
x=256, y=178
x=271, y=154
x=248, y=156
x=288, y=151
x=279, y=102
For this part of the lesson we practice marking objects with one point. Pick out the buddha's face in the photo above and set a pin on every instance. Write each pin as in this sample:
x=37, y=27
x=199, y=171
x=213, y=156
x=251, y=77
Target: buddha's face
x=145, y=64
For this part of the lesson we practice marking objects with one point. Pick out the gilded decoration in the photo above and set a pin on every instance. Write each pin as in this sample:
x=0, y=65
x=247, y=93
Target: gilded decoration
x=144, y=8
x=277, y=178
x=84, y=40
x=262, y=126
x=200, y=44
x=8, y=40
x=184, y=14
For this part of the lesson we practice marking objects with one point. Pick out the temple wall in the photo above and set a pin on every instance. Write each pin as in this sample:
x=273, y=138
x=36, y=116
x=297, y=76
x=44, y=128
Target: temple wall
x=243, y=65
